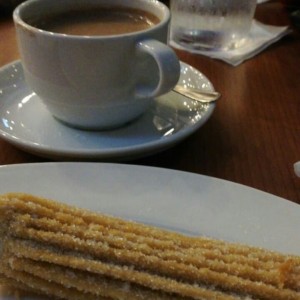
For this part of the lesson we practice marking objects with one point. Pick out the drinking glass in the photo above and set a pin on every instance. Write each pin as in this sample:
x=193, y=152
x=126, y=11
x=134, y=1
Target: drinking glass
x=211, y=24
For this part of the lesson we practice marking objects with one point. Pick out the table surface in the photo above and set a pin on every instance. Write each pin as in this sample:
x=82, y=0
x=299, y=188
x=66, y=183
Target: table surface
x=253, y=136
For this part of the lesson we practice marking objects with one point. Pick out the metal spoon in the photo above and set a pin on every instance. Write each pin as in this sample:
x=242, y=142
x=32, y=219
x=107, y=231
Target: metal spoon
x=196, y=94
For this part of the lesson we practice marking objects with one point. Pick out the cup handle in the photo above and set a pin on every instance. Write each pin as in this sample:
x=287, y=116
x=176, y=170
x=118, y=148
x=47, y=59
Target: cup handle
x=168, y=66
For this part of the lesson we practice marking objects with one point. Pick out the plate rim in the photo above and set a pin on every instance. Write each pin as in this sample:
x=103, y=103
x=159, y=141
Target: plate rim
x=132, y=165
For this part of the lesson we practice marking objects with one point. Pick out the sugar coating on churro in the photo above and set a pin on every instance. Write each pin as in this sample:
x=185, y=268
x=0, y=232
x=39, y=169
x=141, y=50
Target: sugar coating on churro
x=72, y=253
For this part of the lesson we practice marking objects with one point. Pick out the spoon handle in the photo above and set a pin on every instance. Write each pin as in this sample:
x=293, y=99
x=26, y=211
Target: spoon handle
x=196, y=94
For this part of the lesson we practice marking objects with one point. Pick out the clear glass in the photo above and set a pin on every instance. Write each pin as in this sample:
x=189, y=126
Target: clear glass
x=211, y=24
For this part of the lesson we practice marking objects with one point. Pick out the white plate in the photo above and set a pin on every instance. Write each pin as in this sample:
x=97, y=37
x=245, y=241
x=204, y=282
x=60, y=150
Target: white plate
x=25, y=122
x=177, y=200
x=186, y=202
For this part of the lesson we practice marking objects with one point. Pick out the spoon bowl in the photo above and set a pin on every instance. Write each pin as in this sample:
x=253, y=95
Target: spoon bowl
x=196, y=94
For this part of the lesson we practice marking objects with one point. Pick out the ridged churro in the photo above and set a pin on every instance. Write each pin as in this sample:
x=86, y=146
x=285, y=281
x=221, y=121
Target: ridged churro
x=71, y=253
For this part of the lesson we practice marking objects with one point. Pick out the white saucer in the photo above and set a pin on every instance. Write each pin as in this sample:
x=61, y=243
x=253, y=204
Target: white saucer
x=26, y=123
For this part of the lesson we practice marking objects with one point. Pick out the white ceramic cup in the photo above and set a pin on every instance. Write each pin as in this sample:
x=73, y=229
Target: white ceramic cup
x=96, y=82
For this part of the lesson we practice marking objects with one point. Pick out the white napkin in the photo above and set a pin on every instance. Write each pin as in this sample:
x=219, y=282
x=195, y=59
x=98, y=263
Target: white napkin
x=261, y=1
x=260, y=37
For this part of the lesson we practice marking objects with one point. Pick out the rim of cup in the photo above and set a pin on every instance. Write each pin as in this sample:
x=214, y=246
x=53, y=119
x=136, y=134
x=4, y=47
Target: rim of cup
x=161, y=11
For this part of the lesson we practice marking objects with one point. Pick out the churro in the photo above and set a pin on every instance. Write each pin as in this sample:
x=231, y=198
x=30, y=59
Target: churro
x=72, y=253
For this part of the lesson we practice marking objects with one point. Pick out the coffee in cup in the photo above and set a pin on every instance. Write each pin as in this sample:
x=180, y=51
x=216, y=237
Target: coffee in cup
x=99, y=21
x=96, y=64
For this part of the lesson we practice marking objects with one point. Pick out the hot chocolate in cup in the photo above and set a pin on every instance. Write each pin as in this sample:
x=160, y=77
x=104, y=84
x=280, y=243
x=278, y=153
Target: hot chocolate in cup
x=96, y=64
